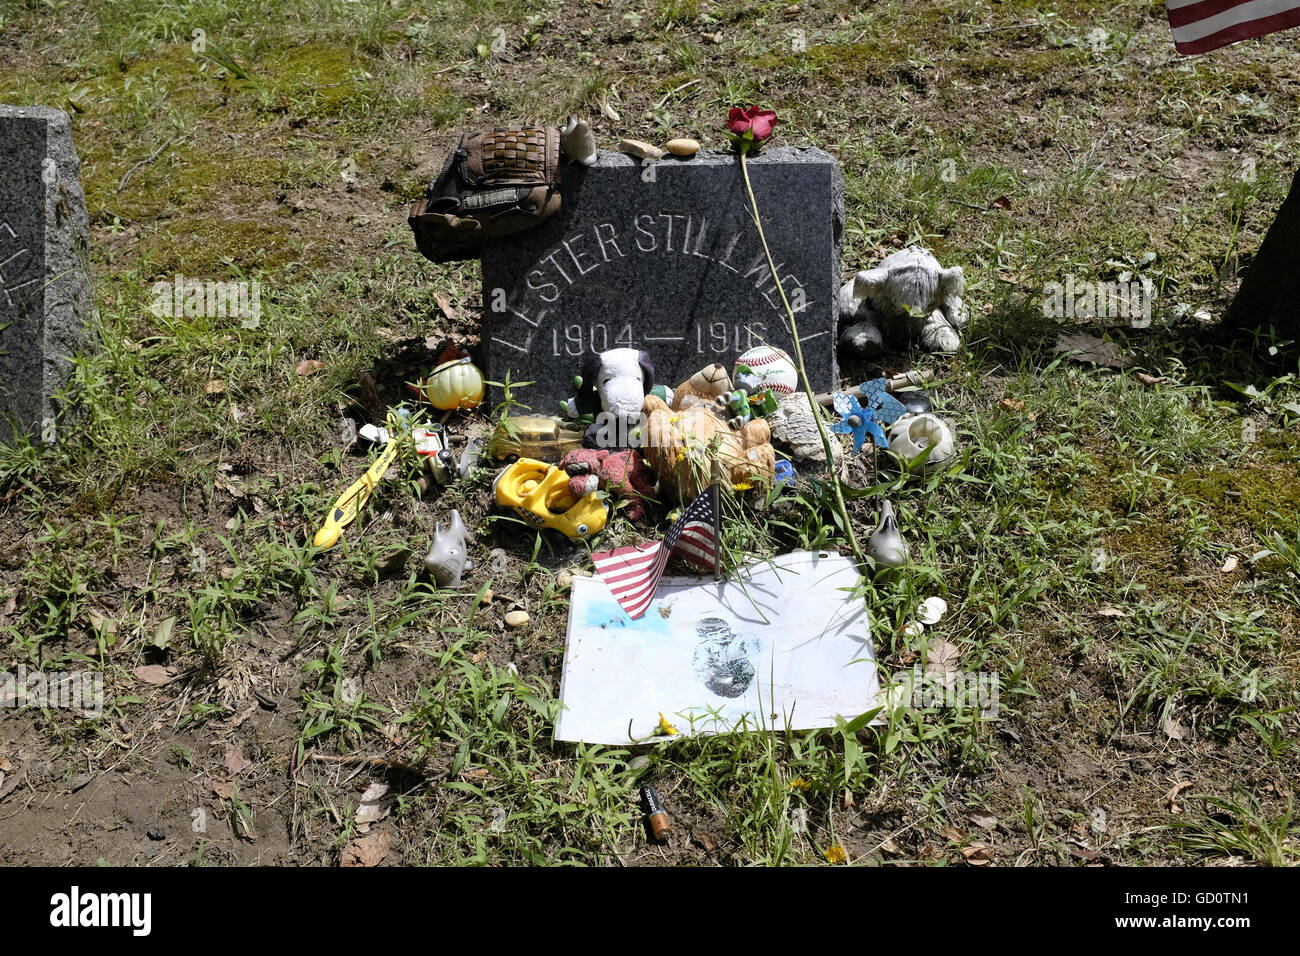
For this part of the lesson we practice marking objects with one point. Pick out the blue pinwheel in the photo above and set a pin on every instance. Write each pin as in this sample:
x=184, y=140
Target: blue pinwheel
x=881, y=410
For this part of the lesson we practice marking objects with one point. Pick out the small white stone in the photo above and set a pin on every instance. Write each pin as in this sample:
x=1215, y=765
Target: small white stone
x=639, y=149
x=515, y=619
x=682, y=147
x=564, y=579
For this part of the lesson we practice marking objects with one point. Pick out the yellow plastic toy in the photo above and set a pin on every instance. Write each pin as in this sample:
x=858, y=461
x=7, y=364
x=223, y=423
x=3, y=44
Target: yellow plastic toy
x=351, y=502
x=539, y=493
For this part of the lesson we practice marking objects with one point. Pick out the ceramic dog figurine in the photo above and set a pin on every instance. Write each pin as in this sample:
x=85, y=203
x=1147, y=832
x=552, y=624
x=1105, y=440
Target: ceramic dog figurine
x=448, y=558
x=909, y=296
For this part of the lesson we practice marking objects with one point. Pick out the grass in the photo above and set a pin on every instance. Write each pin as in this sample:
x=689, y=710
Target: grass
x=1079, y=541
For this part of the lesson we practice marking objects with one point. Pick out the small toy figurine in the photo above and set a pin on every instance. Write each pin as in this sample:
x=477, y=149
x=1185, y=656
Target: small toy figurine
x=577, y=141
x=735, y=403
x=447, y=558
x=908, y=296
x=615, y=381
x=619, y=472
x=539, y=494
x=886, y=546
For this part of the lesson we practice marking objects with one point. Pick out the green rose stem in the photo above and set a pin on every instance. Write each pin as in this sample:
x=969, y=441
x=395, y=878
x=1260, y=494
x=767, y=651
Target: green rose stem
x=744, y=147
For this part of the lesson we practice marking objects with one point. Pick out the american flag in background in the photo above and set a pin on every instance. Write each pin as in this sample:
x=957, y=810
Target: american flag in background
x=633, y=573
x=1203, y=25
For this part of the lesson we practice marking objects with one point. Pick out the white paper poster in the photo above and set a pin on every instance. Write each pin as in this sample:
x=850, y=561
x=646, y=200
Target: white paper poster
x=784, y=645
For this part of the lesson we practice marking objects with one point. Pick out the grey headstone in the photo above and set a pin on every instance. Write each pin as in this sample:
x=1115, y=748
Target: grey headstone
x=667, y=259
x=45, y=294
x=1270, y=291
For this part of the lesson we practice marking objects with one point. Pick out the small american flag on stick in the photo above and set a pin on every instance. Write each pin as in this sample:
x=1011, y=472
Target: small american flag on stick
x=633, y=573
x=1203, y=25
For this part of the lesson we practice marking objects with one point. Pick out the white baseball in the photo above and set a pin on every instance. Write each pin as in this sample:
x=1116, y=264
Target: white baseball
x=773, y=367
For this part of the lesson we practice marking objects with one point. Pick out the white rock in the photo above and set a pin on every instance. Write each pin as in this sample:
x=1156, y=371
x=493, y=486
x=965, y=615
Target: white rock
x=639, y=149
x=932, y=610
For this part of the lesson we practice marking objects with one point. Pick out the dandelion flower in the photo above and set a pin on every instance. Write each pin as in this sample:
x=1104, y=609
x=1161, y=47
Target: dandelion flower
x=665, y=729
x=799, y=783
x=742, y=486
x=835, y=854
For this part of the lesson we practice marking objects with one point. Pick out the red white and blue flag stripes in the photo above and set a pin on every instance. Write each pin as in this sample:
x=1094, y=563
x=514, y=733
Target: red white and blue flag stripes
x=1203, y=25
x=633, y=573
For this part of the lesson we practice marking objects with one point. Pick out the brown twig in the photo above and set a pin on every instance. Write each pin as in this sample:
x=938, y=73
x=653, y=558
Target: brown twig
x=144, y=162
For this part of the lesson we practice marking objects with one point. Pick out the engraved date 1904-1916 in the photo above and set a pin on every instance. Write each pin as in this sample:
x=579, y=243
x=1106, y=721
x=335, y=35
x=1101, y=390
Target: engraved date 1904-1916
x=705, y=337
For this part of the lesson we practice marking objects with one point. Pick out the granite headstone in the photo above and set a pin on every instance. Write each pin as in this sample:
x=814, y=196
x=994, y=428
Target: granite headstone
x=664, y=256
x=45, y=293
x=1269, y=296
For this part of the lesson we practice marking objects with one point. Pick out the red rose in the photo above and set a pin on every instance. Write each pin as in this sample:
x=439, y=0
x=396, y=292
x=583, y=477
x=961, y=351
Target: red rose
x=754, y=123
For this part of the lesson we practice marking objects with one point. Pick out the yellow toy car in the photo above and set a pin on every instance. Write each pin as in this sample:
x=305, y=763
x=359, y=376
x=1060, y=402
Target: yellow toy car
x=539, y=493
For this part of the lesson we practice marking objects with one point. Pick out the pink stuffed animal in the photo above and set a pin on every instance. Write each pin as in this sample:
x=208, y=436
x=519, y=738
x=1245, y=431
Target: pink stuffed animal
x=619, y=472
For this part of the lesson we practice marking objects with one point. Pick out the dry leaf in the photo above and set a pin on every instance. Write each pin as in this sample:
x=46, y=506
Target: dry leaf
x=235, y=761
x=1171, y=798
x=941, y=657
x=162, y=636
x=1002, y=202
x=977, y=854
x=1174, y=730
x=5, y=765
x=100, y=624
x=155, y=673
x=952, y=833
x=373, y=807
x=890, y=848
x=1146, y=379
x=1109, y=611
x=986, y=820
x=706, y=841
x=1088, y=348
x=11, y=606
x=444, y=306
x=1014, y=404
x=1230, y=565
x=214, y=387
x=222, y=789
x=367, y=850
x=309, y=367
